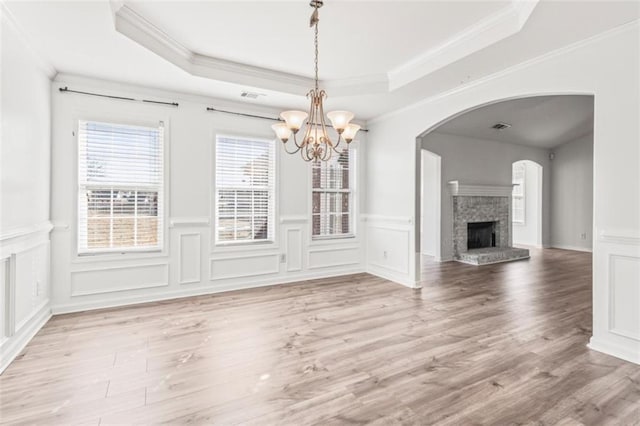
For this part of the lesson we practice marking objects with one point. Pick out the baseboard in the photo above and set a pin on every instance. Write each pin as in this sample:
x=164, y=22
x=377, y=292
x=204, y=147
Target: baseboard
x=614, y=350
x=12, y=347
x=393, y=276
x=574, y=248
x=191, y=290
x=444, y=259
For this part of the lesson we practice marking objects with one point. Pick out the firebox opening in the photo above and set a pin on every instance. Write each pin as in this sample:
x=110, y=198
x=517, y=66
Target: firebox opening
x=481, y=235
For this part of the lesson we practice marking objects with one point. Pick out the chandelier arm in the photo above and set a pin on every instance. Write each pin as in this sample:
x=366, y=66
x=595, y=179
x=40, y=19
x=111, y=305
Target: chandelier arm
x=298, y=148
x=295, y=141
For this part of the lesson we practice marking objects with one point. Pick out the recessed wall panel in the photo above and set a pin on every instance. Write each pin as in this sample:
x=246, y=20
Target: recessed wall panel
x=189, y=258
x=624, y=297
x=113, y=279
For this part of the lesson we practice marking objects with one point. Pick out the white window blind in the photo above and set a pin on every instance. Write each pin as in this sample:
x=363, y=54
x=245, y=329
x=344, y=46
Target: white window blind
x=120, y=191
x=518, y=208
x=332, y=195
x=245, y=190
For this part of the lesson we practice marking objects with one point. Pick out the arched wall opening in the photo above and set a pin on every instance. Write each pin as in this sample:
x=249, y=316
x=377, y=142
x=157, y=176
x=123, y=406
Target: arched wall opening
x=481, y=161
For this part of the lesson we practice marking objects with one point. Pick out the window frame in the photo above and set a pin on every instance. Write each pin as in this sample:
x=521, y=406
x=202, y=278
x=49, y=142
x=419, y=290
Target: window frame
x=141, y=120
x=243, y=244
x=521, y=196
x=353, y=199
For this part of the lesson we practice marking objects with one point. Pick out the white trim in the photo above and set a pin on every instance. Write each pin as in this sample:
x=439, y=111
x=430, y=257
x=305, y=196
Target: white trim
x=293, y=219
x=471, y=190
x=614, y=349
x=12, y=347
x=569, y=247
x=6, y=237
x=393, y=276
x=506, y=71
x=619, y=236
x=175, y=222
x=399, y=220
x=198, y=291
x=504, y=23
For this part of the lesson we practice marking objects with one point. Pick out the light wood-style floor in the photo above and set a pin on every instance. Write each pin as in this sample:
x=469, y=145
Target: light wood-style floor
x=499, y=344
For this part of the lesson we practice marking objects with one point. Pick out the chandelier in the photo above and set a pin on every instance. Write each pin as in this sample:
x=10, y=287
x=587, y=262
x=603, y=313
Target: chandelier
x=315, y=144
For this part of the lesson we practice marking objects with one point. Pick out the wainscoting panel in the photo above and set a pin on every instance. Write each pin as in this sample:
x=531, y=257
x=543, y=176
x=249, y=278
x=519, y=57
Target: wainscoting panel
x=389, y=252
x=294, y=249
x=389, y=248
x=24, y=287
x=335, y=256
x=32, y=274
x=189, y=258
x=118, y=278
x=624, y=296
x=616, y=294
x=4, y=287
x=244, y=266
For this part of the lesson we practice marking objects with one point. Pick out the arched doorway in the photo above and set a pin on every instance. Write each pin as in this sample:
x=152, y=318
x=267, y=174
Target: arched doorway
x=493, y=165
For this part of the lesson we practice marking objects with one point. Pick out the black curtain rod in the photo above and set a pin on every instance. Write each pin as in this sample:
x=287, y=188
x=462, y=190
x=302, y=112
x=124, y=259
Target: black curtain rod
x=66, y=89
x=242, y=114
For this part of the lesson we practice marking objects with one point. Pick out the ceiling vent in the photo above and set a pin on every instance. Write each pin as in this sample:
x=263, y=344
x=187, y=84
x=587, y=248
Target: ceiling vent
x=251, y=95
x=501, y=126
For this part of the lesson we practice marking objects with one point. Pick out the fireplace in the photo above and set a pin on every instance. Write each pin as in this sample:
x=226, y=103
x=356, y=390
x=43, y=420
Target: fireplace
x=481, y=234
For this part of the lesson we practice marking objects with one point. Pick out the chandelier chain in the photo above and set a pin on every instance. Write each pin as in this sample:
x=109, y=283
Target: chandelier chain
x=315, y=42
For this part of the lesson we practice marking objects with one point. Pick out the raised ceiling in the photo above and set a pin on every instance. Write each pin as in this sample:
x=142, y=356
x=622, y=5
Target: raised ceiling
x=356, y=39
x=374, y=56
x=540, y=121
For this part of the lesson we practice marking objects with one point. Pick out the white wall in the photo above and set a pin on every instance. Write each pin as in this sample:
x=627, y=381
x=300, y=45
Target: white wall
x=572, y=195
x=24, y=189
x=480, y=162
x=430, y=204
x=606, y=66
x=190, y=264
x=529, y=233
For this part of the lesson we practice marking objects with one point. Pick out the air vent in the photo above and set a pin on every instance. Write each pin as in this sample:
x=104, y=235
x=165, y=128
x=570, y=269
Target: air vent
x=501, y=126
x=251, y=95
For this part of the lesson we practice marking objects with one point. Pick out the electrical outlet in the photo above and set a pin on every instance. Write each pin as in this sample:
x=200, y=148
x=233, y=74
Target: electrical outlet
x=384, y=254
x=38, y=288
x=283, y=258
x=583, y=236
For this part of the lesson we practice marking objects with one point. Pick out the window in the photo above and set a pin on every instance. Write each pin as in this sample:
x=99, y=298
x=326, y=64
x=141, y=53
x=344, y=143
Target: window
x=120, y=187
x=332, y=188
x=518, y=174
x=245, y=190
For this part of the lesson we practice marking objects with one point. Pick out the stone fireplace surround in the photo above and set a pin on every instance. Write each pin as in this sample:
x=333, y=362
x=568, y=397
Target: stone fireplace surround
x=483, y=203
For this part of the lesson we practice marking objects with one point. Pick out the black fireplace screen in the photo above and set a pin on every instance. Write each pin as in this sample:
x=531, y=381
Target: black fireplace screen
x=481, y=235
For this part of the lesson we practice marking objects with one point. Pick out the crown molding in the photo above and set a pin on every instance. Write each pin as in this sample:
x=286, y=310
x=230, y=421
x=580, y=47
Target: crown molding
x=40, y=60
x=496, y=27
x=502, y=24
x=510, y=70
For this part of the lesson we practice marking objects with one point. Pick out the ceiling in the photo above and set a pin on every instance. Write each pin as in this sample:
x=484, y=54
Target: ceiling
x=375, y=56
x=540, y=121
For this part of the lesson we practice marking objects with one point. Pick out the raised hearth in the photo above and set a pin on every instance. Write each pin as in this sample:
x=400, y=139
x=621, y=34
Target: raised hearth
x=489, y=255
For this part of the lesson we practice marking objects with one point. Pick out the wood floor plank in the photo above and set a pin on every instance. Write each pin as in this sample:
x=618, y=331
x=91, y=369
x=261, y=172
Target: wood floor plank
x=497, y=344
